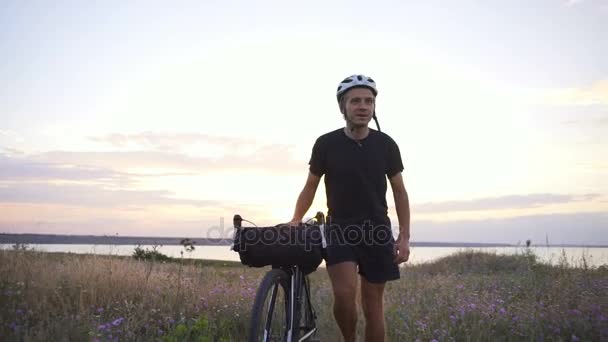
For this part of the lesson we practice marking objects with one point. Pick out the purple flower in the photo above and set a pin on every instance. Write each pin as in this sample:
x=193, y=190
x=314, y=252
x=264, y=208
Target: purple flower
x=13, y=326
x=19, y=312
x=502, y=311
x=99, y=310
x=453, y=318
x=575, y=312
x=117, y=321
x=575, y=338
x=104, y=326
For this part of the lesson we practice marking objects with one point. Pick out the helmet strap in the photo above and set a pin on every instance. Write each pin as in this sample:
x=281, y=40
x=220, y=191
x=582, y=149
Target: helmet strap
x=376, y=120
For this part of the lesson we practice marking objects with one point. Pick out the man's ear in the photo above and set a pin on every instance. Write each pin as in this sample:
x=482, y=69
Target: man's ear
x=342, y=105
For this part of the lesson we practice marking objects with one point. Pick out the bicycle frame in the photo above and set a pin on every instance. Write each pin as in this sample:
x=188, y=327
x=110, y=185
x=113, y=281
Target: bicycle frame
x=299, y=292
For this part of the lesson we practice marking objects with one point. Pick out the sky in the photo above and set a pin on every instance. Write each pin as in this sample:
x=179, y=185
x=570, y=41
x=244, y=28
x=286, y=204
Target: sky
x=156, y=118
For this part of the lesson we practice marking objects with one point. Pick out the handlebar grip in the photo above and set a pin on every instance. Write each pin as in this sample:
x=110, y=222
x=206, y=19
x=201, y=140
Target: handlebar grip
x=320, y=217
x=237, y=221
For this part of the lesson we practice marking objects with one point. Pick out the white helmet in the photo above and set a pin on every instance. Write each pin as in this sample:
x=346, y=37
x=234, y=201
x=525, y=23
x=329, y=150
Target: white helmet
x=356, y=81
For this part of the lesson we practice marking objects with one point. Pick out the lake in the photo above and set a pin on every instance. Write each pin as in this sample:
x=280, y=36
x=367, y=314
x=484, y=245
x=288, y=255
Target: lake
x=594, y=256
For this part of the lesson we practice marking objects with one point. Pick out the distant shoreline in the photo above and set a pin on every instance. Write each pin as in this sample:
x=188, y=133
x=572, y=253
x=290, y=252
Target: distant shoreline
x=42, y=239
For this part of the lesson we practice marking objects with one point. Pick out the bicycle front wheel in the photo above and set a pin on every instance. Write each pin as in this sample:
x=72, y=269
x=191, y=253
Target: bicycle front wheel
x=270, y=314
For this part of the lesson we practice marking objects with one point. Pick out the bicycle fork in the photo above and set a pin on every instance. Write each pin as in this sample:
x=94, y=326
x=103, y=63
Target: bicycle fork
x=300, y=292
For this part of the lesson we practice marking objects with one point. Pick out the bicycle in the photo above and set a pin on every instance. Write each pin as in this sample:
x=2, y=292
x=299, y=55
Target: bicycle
x=282, y=309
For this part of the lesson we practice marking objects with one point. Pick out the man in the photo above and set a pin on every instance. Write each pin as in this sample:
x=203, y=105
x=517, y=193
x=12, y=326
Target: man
x=356, y=161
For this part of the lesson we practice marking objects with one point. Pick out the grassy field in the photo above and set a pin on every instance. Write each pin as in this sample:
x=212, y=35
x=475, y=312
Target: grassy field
x=469, y=296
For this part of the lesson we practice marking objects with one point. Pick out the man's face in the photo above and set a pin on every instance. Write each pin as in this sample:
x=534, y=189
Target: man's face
x=359, y=106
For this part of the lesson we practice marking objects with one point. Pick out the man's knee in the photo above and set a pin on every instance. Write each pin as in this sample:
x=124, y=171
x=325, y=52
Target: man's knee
x=372, y=298
x=346, y=294
x=372, y=306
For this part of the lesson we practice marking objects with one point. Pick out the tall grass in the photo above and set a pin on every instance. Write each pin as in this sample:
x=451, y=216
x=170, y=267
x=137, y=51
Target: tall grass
x=468, y=296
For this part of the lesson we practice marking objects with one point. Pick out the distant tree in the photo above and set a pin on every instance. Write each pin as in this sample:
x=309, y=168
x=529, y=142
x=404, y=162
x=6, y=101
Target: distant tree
x=528, y=243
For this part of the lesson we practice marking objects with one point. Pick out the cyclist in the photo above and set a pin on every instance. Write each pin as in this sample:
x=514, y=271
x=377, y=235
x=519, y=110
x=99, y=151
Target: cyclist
x=356, y=161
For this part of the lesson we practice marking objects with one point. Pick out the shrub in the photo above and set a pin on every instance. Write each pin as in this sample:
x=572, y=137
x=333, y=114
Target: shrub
x=149, y=255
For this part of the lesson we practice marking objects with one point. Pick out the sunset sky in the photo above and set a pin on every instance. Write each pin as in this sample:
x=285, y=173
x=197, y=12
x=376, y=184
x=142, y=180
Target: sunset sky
x=158, y=118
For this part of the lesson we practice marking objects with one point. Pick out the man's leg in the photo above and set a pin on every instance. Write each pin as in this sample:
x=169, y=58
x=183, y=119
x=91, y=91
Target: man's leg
x=372, y=300
x=344, y=283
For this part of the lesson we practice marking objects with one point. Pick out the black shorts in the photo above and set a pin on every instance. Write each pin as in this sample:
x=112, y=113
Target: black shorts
x=370, y=245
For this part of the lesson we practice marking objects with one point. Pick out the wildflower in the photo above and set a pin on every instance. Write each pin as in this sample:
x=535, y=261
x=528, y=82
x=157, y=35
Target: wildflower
x=13, y=326
x=453, y=318
x=575, y=338
x=99, y=310
x=242, y=277
x=19, y=312
x=502, y=311
x=117, y=321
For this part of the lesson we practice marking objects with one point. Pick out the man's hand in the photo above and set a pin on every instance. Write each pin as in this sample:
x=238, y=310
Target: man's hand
x=402, y=250
x=294, y=223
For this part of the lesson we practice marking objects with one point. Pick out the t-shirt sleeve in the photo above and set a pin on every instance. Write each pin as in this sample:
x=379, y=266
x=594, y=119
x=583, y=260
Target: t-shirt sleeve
x=317, y=161
x=394, y=164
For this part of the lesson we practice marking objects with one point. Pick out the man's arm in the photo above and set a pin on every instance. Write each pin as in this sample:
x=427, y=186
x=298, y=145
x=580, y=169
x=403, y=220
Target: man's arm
x=402, y=205
x=305, y=199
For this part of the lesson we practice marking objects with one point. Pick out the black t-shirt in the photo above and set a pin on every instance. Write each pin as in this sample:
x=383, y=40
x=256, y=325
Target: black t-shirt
x=355, y=173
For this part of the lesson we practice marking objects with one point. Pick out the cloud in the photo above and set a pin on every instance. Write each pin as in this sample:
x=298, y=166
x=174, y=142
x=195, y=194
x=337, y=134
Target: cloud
x=169, y=141
x=274, y=158
x=10, y=136
x=595, y=122
x=503, y=202
x=594, y=94
x=590, y=228
x=90, y=196
x=23, y=168
x=575, y=228
x=571, y=3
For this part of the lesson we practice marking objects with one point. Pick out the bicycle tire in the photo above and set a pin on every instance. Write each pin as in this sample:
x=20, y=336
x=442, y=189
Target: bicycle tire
x=270, y=308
